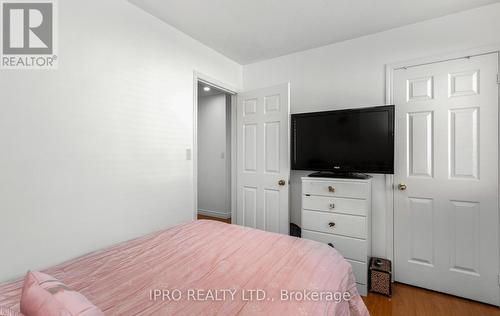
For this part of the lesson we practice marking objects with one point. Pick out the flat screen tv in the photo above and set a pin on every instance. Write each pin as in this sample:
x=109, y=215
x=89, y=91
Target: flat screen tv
x=344, y=142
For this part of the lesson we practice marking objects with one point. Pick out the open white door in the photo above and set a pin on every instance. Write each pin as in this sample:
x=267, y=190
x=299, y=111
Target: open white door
x=446, y=200
x=263, y=158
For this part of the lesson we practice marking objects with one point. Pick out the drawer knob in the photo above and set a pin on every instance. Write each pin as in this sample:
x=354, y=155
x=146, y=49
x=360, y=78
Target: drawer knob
x=331, y=224
x=332, y=206
x=331, y=189
x=331, y=245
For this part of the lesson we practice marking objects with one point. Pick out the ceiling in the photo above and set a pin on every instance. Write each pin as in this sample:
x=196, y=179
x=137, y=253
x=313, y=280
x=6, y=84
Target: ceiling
x=203, y=93
x=252, y=30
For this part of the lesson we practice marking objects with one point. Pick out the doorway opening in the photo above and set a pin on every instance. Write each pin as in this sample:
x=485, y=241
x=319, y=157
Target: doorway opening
x=214, y=153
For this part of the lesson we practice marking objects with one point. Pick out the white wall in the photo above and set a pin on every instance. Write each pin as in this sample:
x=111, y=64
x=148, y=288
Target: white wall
x=95, y=152
x=352, y=73
x=213, y=168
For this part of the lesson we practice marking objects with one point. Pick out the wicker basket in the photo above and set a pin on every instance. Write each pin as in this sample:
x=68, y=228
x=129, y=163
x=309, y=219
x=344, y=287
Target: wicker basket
x=380, y=280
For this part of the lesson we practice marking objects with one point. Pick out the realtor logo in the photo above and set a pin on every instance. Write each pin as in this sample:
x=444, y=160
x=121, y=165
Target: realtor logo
x=28, y=34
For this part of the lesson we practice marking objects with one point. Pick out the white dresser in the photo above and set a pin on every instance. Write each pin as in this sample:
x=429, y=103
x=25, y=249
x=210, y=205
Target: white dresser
x=338, y=212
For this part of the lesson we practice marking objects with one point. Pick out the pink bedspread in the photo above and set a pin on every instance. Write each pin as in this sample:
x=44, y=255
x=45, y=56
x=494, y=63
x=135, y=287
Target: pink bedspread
x=208, y=268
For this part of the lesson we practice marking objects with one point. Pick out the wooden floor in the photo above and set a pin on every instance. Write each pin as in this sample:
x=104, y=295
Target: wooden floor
x=412, y=301
x=215, y=218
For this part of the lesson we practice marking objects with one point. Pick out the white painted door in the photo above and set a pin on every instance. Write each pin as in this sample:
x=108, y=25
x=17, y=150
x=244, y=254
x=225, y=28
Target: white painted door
x=263, y=159
x=446, y=195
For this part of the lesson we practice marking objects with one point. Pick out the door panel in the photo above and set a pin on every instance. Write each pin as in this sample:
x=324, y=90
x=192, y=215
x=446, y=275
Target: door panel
x=446, y=213
x=250, y=206
x=272, y=146
x=420, y=149
x=263, y=159
x=250, y=147
x=421, y=226
x=465, y=247
x=464, y=142
x=420, y=89
x=271, y=204
x=463, y=83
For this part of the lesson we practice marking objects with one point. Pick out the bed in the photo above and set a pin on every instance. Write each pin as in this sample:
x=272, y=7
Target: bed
x=208, y=268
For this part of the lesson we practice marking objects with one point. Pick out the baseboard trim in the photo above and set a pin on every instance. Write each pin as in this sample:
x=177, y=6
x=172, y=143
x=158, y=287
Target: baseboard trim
x=217, y=214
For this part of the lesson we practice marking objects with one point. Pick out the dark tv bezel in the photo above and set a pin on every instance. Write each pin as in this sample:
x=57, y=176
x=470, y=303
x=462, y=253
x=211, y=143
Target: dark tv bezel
x=385, y=108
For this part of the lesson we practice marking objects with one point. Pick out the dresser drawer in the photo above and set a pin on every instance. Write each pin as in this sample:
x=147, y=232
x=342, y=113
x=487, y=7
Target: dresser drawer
x=350, y=248
x=358, y=190
x=346, y=225
x=337, y=205
x=360, y=271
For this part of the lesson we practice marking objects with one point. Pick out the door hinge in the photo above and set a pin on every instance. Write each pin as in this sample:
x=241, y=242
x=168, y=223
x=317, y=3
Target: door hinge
x=498, y=78
x=498, y=278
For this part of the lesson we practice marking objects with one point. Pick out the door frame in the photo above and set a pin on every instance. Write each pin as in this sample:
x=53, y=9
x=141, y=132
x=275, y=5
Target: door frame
x=233, y=91
x=389, y=99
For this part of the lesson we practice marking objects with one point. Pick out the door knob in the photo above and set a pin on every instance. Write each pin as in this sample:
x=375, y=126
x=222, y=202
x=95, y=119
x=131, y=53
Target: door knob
x=402, y=187
x=281, y=183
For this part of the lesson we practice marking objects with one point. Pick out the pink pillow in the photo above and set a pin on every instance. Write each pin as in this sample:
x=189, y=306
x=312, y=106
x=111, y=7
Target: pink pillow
x=43, y=295
x=4, y=311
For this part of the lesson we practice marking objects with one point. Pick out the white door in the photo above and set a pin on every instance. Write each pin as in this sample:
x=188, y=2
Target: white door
x=446, y=194
x=263, y=159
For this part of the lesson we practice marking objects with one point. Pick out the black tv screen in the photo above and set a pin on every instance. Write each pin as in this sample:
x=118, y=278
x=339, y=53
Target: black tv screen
x=346, y=141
